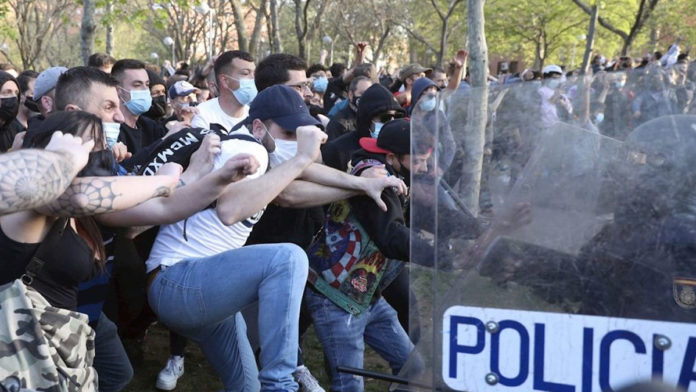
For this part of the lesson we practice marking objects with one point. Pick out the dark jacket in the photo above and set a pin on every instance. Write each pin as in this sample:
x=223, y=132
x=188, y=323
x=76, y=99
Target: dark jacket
x=375, y=100
x=140, y=140
x=343, y=122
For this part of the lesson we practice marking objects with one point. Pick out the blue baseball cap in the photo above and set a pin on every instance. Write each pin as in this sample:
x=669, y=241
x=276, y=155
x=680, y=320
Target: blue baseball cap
x=284, y=106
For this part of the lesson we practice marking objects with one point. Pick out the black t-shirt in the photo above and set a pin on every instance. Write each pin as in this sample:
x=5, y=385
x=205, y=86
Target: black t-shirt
x=68, y=263
x=146, y=133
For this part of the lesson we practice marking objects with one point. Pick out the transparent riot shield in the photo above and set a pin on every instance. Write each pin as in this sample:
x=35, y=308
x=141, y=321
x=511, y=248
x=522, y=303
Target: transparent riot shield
x=553, y=245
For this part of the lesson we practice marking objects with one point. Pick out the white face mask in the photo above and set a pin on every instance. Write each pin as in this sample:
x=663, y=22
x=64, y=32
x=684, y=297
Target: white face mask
x=284, y=150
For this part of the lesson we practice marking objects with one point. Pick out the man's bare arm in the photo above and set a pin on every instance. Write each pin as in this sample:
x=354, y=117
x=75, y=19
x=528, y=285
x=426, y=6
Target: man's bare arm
x=98, y=195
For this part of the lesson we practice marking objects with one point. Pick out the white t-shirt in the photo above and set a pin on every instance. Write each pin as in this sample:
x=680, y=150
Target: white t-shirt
x=206, y=234
x=210, y=112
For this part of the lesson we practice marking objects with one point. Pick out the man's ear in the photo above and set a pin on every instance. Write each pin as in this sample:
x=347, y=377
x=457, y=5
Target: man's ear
x=258, y=129
x=47, y=103
x=391, y=158
x=70, y=107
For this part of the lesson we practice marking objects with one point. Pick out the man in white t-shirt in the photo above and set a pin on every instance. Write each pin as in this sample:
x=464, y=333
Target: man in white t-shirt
x=234, y=73
x=200, y=275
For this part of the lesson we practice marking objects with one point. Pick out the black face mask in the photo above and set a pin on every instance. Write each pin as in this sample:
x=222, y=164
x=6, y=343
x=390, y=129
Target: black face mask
x=100, y=164
x=8, y=109
x=158, y=108
x=32, y=105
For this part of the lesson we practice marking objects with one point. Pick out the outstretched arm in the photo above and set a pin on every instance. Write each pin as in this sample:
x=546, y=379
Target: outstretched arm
x=98, y=195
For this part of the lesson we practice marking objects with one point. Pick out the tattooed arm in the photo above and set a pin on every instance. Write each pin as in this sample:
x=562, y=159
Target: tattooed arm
x=31, y=178
x=98, y=195
x=186, y=200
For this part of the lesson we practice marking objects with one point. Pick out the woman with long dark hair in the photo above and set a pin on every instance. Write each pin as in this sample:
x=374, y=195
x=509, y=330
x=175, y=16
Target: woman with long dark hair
x=79, y=251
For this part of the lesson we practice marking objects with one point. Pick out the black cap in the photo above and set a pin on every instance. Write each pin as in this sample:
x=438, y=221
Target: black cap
x=284, y=106
x=394, y=137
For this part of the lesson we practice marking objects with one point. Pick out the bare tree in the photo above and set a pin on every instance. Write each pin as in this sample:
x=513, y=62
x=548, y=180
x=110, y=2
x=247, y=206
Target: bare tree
x=445, y=25
x=274, y=30
x=305, y=28
x=37, y=21
x=87, y=30
x=258, y=23
x=109, y=28
x=645, y=10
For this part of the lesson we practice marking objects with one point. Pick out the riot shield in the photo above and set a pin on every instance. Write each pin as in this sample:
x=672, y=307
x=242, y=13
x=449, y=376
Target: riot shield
x=553, y=255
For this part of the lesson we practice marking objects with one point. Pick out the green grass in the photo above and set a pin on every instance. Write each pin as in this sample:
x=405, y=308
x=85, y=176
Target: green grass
x=199, y=376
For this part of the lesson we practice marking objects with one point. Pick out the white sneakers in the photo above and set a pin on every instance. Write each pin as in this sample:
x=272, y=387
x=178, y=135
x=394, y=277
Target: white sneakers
x=307, y=382
x=167, y=377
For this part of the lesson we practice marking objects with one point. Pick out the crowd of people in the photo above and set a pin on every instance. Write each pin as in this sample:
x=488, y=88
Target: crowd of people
x=242, y=201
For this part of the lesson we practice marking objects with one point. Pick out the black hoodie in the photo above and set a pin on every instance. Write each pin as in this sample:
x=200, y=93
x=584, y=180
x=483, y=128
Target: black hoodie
x=374, y=101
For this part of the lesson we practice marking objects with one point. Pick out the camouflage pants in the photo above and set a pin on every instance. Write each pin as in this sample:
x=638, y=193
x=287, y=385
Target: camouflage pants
x=47, y=348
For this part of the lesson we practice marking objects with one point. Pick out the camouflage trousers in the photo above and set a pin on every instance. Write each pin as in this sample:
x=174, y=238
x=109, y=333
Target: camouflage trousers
x=46, y=348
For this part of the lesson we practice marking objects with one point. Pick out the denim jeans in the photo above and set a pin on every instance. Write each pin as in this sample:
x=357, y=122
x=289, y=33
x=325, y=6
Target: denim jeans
x=200, y=299
x=343, y=337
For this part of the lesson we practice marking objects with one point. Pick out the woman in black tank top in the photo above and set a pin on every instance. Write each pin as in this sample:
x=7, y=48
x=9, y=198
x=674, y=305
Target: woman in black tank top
x=78, y=253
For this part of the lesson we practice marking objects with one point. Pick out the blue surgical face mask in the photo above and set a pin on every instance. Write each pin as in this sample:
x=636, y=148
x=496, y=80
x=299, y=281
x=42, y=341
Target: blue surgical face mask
x=427, y=103
x=246, y=92
x=111, y=132
x=140, y=101
x=377, y=129
x=320, y=84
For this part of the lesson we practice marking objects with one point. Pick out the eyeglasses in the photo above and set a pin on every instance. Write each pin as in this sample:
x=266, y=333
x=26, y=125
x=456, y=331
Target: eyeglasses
x=301, y=86
x=390, y=116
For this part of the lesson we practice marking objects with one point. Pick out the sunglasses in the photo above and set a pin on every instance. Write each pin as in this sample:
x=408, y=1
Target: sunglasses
x=390, y=116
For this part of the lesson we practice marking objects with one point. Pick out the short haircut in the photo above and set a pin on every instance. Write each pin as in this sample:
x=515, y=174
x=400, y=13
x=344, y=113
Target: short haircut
x=337, y=69
x=24, y=78
x=223, y=64
x=274, y=69
x=367, y=70
x=316, y=68
x=122, y=65
x=74, y=84
x=100, y=60
x=354, y=83
x=434, y=70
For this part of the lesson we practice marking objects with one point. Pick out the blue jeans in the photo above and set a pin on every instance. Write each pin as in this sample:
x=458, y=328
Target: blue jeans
x=343, y=337
x=200, y=299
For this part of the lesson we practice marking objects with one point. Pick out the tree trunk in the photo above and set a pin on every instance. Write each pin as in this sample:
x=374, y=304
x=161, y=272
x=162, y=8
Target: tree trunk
x=87, y=30
x=443, y=42
x=110, y=31
x=477, y=112
x=256, y=33
x=242, y=41
x=276, y=43
x=590, y=39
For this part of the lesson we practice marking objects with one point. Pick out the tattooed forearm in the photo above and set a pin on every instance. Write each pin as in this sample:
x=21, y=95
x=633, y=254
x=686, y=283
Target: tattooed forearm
x=32, y=178
x=86, y=196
